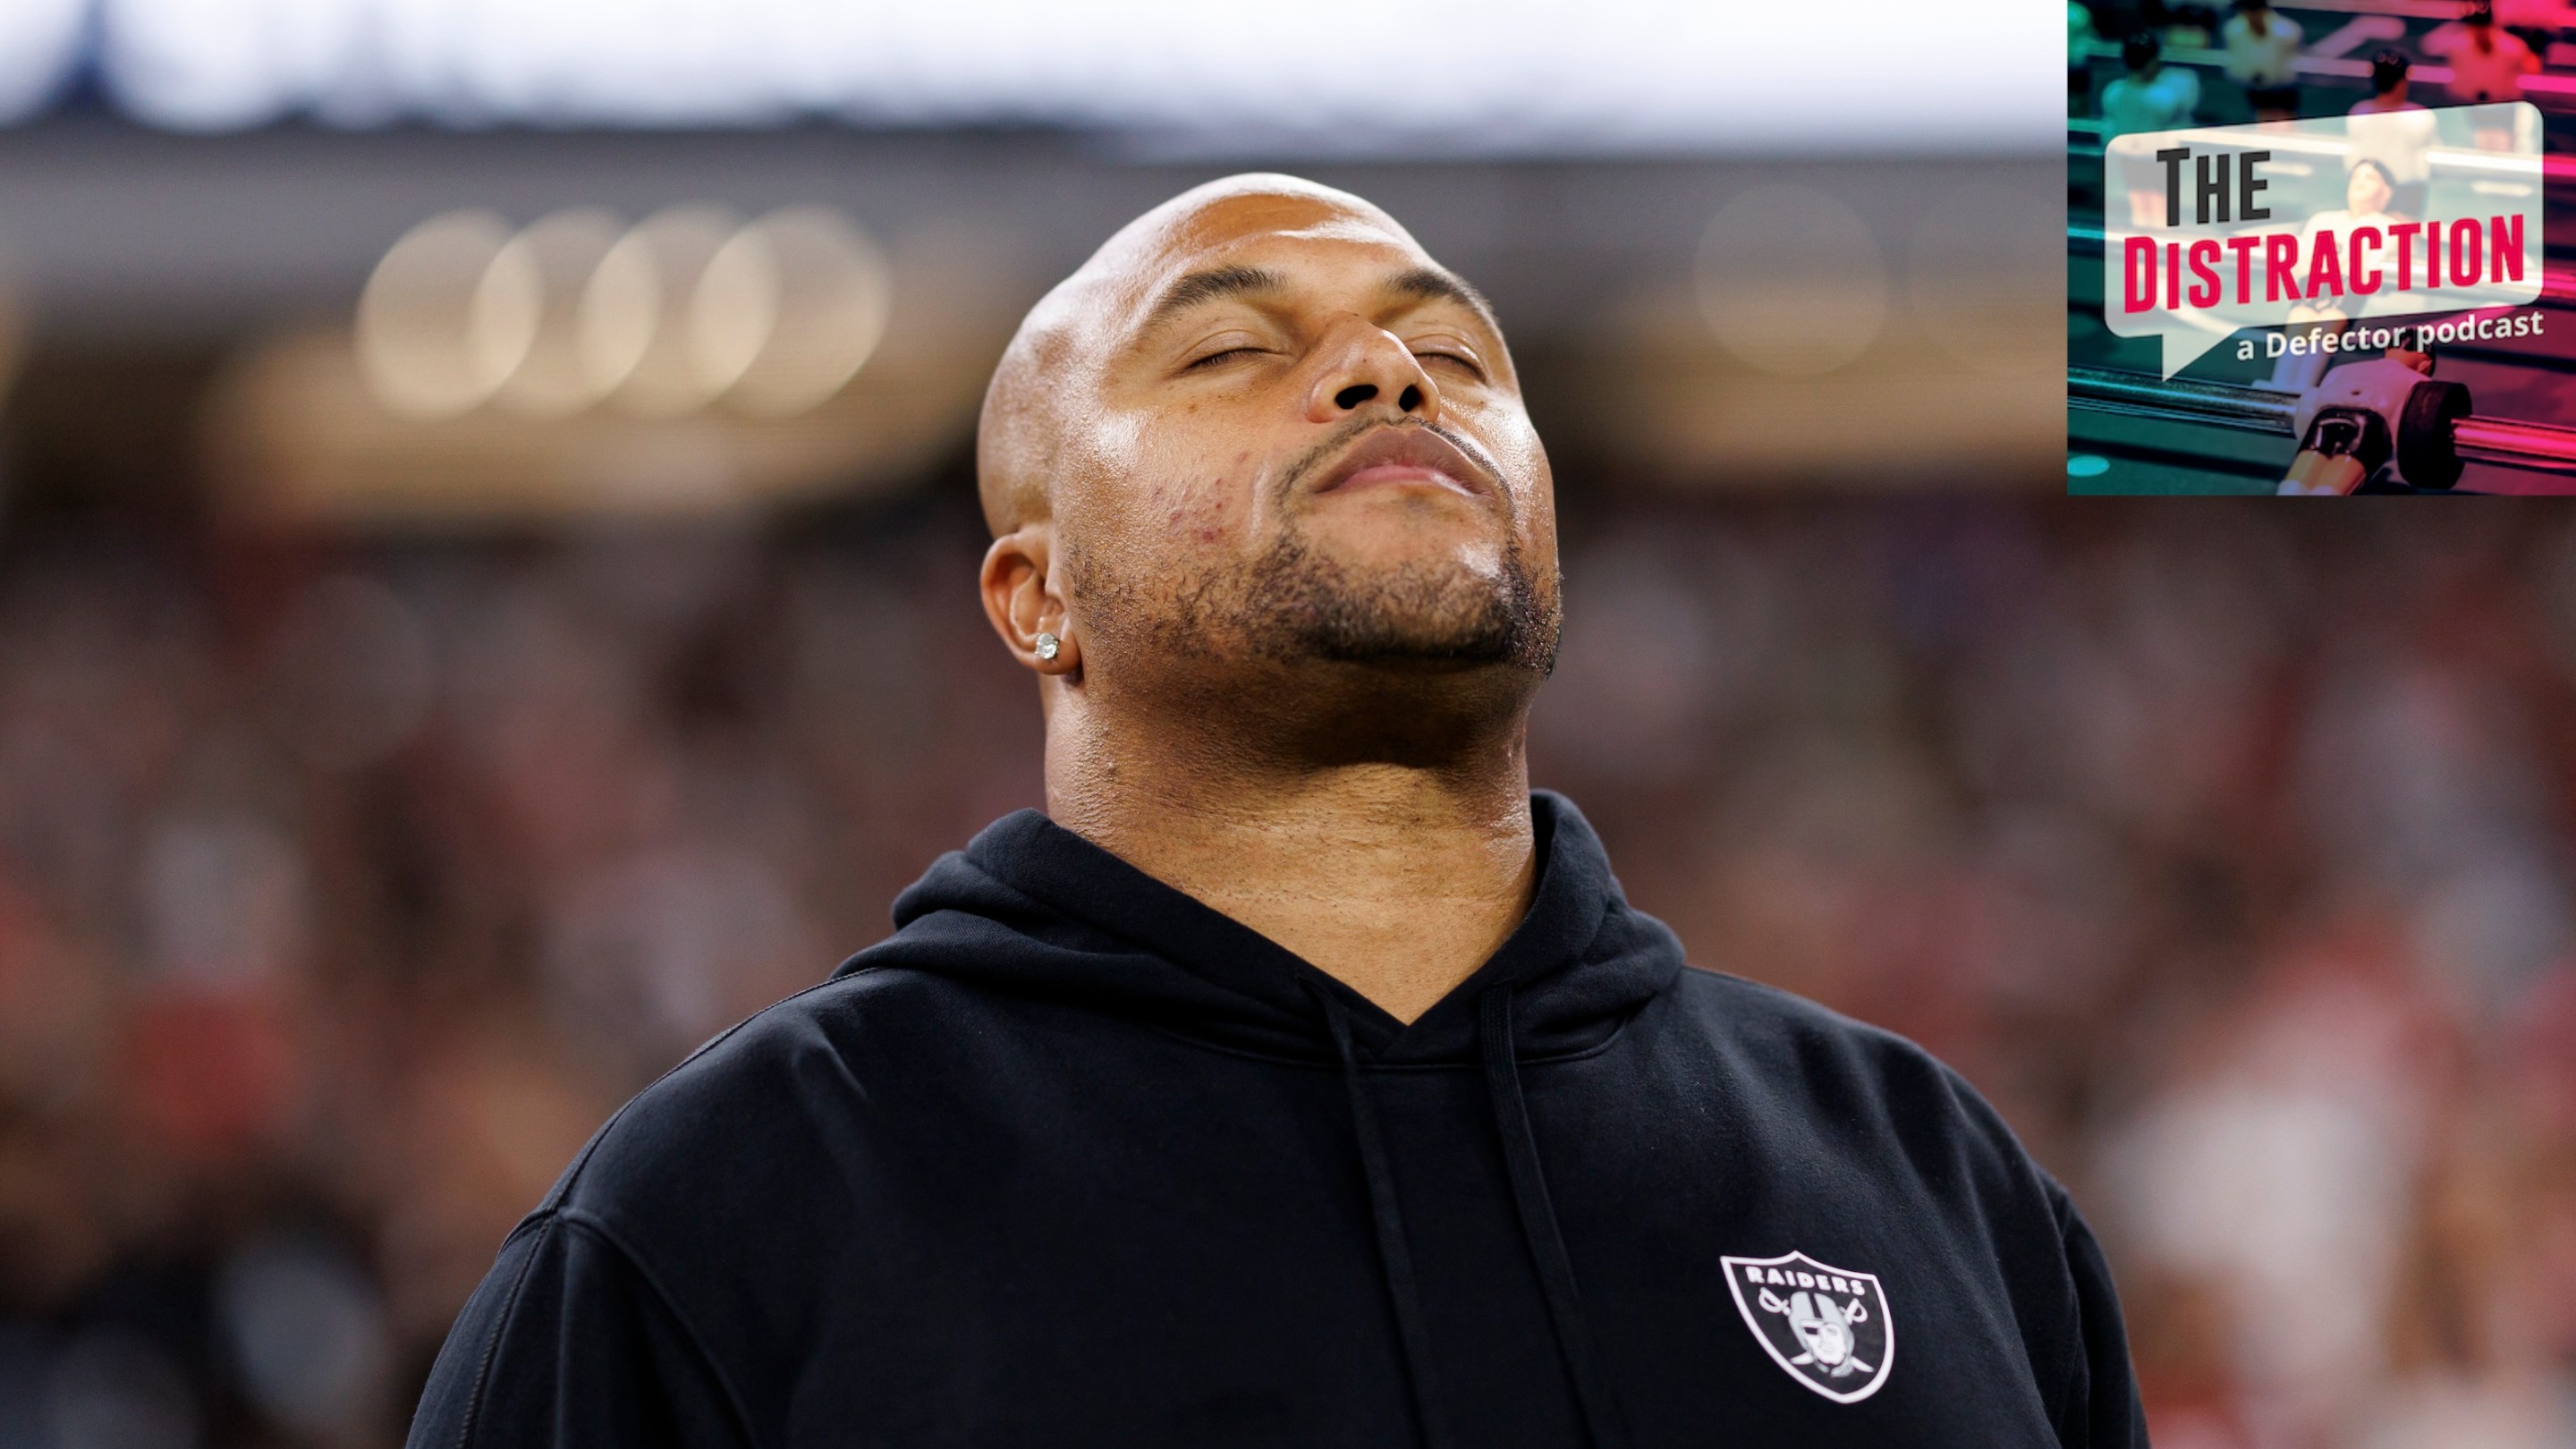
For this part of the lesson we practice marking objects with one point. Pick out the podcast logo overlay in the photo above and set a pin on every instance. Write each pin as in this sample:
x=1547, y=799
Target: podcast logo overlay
x=2329, y=228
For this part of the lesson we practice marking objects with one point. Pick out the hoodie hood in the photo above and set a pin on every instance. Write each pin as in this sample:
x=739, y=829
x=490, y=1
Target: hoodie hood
x=1032, y=909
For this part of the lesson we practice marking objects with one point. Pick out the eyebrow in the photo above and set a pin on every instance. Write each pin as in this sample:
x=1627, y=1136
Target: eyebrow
x=1217, y=283
x=1211, y=285
x=1433, y=284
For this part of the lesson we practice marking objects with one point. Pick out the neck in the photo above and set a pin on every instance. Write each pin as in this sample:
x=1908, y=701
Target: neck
x=1399, y=875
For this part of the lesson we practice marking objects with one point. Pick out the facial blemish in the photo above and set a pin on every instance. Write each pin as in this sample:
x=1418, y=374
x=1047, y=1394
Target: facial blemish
x=1205, y=519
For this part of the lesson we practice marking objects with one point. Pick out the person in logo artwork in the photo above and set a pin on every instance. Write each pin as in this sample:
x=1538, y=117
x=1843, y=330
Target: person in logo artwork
x=2367, y=191
x=2148, y=96
x=1300, y=1076
x=2263, y=57
x=2488, y=65
x=2397, y=133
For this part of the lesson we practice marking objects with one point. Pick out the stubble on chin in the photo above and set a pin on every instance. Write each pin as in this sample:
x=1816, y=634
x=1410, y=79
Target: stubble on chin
x=1296, y=604
x=1309, y=605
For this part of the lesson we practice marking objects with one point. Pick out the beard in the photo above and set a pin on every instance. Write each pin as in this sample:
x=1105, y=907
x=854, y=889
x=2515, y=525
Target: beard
x=1296, y=602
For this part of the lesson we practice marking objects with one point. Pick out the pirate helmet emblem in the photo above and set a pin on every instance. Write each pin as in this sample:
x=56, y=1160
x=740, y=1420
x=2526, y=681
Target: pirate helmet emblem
x=1827, y=1326
x=1825, y=1329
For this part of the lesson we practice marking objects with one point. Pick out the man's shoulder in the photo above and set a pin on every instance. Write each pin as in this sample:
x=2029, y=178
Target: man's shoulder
x=1761, y=1017
x=751, y=1114
x=1847, y=1080
x=721, y=1198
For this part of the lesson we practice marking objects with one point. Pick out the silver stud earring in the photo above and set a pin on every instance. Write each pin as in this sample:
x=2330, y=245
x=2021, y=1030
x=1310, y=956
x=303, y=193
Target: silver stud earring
x=1047, y=646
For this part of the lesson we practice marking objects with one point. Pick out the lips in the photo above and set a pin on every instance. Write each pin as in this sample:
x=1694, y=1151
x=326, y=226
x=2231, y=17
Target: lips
x=1399, y=457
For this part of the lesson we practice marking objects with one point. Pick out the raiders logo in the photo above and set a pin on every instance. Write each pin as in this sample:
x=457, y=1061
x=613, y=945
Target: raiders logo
x=1829, y=1327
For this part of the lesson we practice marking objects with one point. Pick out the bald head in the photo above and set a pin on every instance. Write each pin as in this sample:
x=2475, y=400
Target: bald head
x=1261, y=429
x=1154, y=266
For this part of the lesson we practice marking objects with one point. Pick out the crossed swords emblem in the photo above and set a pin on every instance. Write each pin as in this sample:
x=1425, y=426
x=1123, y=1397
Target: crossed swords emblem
x=1824, y=1327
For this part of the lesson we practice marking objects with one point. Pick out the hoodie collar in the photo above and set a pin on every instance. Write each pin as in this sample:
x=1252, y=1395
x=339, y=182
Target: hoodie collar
x=1581, y=962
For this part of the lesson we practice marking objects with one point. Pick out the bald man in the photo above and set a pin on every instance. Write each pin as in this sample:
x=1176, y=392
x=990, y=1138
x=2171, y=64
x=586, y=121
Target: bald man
x=1299, y=1078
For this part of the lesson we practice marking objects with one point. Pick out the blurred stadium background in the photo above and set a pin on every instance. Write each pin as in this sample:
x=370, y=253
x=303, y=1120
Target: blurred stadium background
x=449, y=665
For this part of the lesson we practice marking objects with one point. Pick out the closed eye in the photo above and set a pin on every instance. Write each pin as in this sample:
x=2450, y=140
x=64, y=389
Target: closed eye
x=1232, y=352
x=1463, y=359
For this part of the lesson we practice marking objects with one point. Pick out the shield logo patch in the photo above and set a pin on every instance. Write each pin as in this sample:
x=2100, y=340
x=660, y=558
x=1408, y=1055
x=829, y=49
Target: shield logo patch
x=1828, y=1327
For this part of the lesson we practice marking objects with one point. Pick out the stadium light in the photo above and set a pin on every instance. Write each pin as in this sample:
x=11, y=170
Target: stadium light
x=689, y=308
x=1791, y=280
x=447, y=316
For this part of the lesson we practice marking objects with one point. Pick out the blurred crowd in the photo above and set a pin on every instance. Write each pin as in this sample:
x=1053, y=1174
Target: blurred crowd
x=346, y=888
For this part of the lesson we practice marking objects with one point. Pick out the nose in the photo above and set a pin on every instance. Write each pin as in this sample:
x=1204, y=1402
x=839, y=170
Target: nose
x=1365, y=364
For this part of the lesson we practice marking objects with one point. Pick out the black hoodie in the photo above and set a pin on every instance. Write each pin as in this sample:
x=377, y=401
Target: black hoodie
x=1072, y=1159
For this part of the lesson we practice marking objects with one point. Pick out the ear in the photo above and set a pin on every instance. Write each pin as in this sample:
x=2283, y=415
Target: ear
x=1023, y=599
